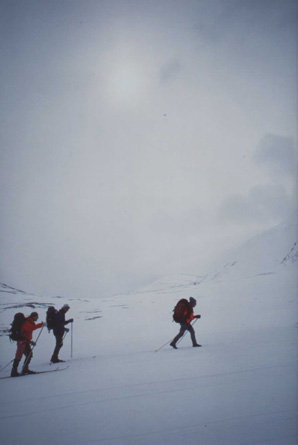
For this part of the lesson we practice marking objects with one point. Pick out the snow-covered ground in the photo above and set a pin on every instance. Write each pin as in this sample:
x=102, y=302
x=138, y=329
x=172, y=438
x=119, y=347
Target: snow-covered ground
x=239, y=388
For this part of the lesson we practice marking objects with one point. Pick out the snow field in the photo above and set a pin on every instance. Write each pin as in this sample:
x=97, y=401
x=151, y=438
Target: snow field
x=239, y=388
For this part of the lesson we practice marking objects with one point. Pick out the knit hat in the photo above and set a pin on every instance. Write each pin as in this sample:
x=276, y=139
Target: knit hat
x=66, y=306
x=192, y=301
x=34, y=314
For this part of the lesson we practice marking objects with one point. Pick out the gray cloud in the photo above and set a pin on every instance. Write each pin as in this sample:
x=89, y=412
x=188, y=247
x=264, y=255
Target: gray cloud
x=169, y=70
x=264, y=204
x=223, y=18
x=277, y=155
x=271, y=202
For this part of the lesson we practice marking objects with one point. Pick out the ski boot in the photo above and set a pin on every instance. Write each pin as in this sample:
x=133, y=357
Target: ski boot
x=56, y=360
x=14, y=371
x=28, y=371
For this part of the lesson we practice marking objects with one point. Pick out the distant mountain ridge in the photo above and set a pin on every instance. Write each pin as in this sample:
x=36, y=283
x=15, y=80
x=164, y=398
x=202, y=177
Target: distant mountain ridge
x=267, y=253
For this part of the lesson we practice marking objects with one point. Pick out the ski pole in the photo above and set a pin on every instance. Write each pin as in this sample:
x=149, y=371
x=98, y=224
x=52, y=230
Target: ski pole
x=6, y=365
x=156, y=350
x=31, y=352
x=71, y=345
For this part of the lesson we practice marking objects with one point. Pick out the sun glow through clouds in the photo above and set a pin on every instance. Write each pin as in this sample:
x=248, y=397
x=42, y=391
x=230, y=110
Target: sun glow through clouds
x=126, y=85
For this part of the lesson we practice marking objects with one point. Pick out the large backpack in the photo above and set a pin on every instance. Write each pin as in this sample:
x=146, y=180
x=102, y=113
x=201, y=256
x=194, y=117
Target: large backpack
x=16, y=326
x=51, y=315
x=179, y=311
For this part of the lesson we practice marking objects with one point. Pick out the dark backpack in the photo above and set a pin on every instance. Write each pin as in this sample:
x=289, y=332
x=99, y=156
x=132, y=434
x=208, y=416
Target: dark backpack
x=179, y=311
x=16, y=326
x=51, y=316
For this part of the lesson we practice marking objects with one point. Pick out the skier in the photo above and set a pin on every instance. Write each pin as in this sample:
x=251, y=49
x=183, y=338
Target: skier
x=24, y=345
x=59, y=331
x=187, y=317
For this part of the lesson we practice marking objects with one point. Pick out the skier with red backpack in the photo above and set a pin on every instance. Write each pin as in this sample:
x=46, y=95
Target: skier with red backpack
x=21, y=332
x=183, y=314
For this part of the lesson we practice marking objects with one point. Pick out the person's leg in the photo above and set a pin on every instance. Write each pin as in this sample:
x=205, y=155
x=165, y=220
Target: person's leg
x=18, y=358
x=181, y=333
x=192, y=335
x=59, y=344
x=28, y=354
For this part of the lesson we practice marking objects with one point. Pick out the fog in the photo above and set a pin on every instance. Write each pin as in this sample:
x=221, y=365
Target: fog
x=141, y=138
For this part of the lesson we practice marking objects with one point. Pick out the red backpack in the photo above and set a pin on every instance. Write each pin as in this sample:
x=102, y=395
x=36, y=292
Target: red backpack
x=179, y=315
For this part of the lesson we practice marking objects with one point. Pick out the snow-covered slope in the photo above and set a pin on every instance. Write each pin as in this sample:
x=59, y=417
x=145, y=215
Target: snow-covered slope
x=239, y=388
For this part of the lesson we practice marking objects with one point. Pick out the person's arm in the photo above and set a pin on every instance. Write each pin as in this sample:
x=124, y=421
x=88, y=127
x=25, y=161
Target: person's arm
x=37, y=326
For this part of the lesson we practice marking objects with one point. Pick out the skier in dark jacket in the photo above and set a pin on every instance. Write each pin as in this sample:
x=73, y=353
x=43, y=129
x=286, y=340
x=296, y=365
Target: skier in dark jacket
x=186, y=326
x=59, y=331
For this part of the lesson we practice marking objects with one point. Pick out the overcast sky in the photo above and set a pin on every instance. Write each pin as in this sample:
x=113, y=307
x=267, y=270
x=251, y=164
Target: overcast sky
x=141, y=138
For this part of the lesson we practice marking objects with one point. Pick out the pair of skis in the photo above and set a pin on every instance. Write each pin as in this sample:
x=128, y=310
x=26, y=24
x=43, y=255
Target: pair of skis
x=37, y=372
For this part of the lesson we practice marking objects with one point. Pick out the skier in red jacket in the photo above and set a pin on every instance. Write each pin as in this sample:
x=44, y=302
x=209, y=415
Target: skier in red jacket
x=24, y=345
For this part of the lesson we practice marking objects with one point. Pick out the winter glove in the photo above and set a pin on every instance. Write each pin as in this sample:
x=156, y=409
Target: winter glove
x=66, y=330
x=33, y=343
x=197, y=316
